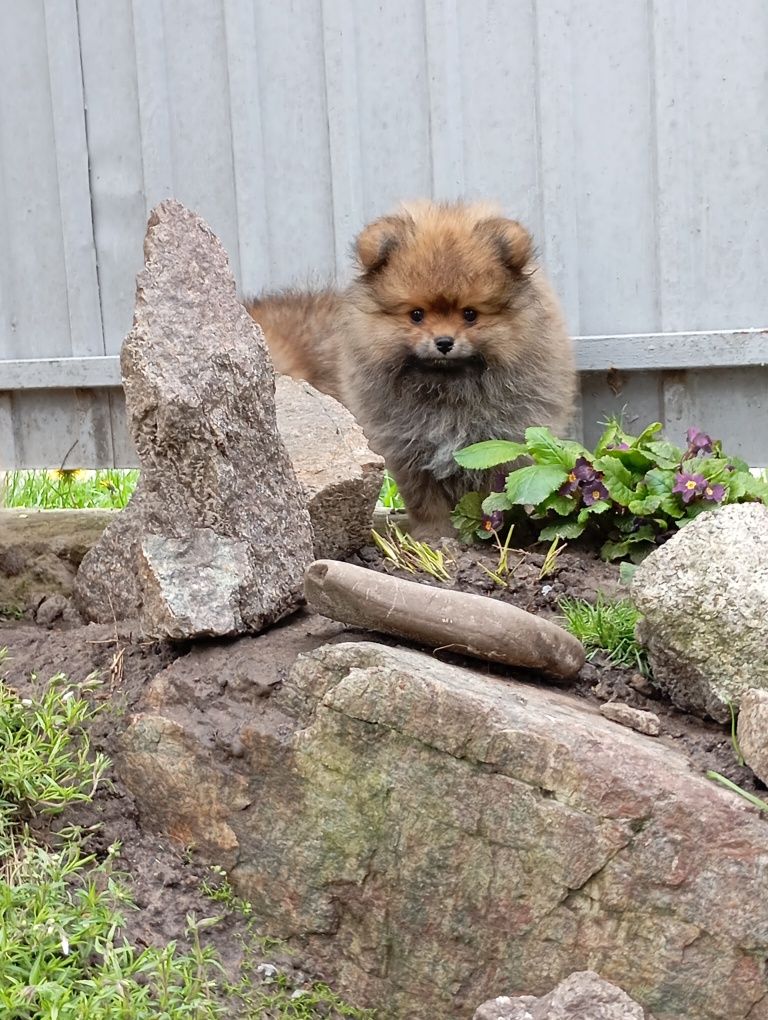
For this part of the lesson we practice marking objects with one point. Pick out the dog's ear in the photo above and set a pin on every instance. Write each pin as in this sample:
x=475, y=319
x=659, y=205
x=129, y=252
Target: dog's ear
x=375, y=244
x=512, y=241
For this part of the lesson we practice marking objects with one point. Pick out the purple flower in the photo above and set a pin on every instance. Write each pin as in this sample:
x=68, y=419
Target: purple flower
x=689, y=486
x=617, y=446
x=570, y=486
x=585, y=480
x=698, y=442
x=498, y=481
x=583, y=470
x=594, y=491
x=492, y=521
x=714, y=493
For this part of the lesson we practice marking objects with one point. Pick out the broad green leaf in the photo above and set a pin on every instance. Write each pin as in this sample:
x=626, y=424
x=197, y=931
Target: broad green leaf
x=635, y=460
x=744, y=485
x=648, y=432
x=563, y=529
x=627, y=572
x=660, y=482
x=636, y=548
x=714, y=469
x=612, y=433
x=756, y=488
x=666, y=455
x=639, y=552
x=496, y=501
x=563, y=505
x=489, y=454
x=597, y=508
x=471, y=506
x=618, y=479
x=530, y=485
x=645, y=506
x=614, y=550
x=546, y=448
x=468, y=514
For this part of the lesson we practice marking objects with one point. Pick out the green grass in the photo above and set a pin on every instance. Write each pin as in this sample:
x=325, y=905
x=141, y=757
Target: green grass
x=62, y=954
x=67, y=490
x=607, y=627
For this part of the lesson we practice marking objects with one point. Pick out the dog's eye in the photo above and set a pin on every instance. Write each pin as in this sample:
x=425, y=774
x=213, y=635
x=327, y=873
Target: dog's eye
x=417, y=315
x=470, y=314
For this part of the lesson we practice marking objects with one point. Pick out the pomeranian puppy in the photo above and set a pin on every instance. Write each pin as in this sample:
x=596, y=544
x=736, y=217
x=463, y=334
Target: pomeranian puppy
x=449, y=335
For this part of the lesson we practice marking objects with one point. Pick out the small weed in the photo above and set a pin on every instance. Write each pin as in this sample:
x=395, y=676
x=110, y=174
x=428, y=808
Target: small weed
x=549, y=566
x=67, y=489
x=11, y=612
x=501, y=574
x=753, y=800
x=220, y=891
x=301, y=1003
x=606, y=627
x=408, y=554
x=389, y=496
x=261, y=987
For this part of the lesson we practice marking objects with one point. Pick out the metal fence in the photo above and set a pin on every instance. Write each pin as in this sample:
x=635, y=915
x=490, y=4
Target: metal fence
x=631, y=137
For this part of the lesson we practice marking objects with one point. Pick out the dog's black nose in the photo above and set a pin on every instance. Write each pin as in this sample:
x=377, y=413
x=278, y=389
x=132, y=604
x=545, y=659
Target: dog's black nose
x=444, y=343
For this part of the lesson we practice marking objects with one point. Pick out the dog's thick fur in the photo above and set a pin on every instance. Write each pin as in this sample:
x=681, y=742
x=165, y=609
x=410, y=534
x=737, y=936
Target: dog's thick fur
x=509, y=363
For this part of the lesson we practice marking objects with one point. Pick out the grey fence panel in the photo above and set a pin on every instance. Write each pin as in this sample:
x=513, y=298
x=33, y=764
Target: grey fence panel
x=630, y=137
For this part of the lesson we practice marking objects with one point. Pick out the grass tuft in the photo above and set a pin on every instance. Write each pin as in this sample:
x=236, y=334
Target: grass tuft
x=67, y=489
x=406, y=553
x=607, y=627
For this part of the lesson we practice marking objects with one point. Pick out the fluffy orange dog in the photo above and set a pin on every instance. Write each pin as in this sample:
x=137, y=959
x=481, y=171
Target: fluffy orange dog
x=449, y=335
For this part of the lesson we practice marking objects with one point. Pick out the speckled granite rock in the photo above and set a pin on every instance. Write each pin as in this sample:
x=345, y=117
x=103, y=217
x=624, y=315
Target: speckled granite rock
x=704, y=600
x=339, y=474
x=581, y=996
x=200, y=395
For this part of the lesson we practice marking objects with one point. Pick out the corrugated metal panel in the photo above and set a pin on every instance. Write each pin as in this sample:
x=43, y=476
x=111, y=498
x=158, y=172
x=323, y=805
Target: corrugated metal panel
x=631, y=138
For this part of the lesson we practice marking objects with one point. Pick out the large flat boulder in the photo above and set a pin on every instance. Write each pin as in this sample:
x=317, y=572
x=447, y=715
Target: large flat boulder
x=431, y=835
x=704, y=600
x=218, y=515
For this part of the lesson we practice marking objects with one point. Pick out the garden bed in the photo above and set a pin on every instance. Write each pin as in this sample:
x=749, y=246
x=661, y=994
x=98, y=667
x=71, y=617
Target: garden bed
x=166, y=879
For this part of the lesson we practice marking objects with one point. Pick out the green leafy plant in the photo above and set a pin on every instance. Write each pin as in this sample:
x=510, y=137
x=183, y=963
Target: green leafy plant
x=46, y=763
x=628, y=494
x=607, y=627
x=389, y=495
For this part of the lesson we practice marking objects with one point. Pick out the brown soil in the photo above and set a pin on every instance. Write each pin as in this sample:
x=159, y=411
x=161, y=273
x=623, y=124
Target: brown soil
x=166, y=878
